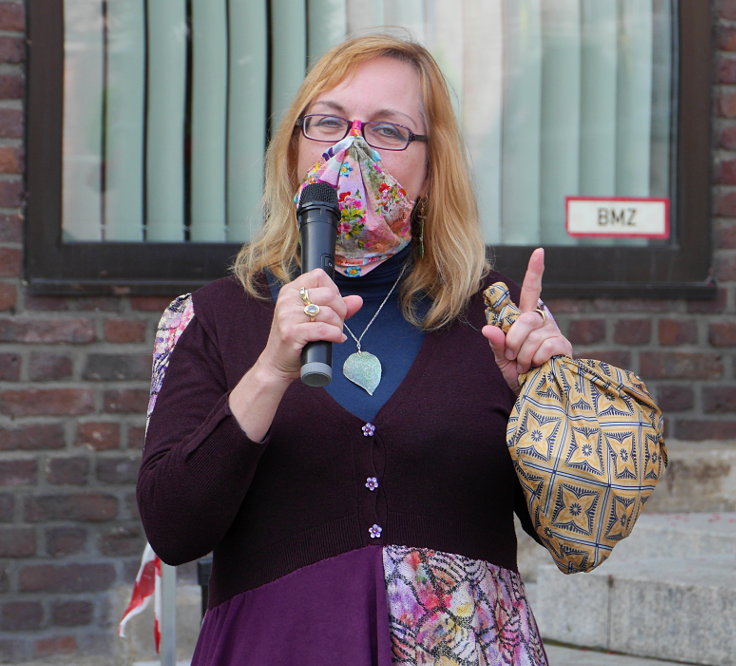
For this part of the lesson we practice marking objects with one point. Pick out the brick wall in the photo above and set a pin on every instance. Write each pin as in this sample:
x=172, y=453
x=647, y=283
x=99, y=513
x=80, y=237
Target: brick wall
x=74, y=375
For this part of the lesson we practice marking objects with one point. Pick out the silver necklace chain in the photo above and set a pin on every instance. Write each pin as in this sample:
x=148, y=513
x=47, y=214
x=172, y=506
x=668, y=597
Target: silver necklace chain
x=373, y=318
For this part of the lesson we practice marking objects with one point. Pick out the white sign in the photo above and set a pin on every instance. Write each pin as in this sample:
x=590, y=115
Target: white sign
x=617, y=217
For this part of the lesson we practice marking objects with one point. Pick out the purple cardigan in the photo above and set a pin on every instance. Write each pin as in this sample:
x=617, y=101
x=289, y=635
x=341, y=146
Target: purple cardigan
x=437, y=447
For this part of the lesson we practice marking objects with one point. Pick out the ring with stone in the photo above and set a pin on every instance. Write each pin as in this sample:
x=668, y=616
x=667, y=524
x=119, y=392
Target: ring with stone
x=542, y=314
x=304, y=295
x=311, y=310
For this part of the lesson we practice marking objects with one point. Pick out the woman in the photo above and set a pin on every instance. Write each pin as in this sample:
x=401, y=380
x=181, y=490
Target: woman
x=370, y=522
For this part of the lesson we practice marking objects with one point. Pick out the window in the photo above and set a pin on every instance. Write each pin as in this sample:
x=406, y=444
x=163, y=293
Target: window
x=148, y=121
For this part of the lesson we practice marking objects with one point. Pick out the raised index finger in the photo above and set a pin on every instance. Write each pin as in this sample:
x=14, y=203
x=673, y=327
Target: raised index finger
x=531, y=288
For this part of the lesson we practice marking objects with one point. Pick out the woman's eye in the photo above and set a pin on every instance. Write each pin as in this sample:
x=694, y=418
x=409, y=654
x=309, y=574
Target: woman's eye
x=329, y=123
x=388, y=131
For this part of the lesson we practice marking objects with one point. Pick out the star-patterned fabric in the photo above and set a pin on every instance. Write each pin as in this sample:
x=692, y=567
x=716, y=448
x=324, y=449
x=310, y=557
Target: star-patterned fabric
x=587, y=445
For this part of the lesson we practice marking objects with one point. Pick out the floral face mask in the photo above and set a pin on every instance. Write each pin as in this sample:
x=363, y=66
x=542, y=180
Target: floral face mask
x=375, y=211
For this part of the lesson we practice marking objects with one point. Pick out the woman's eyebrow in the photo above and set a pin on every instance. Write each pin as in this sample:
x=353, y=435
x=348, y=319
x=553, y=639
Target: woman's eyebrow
x=380, y=113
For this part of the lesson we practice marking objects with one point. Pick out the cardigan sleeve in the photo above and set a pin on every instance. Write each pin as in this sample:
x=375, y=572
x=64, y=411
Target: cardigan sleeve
x=197, y=463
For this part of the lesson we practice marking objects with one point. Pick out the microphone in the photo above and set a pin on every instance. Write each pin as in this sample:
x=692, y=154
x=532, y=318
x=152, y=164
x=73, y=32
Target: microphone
x=318, y=214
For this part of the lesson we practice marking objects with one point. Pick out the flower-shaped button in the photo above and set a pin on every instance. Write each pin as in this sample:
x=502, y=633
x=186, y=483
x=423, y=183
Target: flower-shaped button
x=375, y=531
x=368, y=430
x=371, y=483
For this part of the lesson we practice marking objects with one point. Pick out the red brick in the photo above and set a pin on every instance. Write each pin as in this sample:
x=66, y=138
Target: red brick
x=714, y=305
x=68, y=471
x=681, y=365
x=46, y=303
x=726, y=170
x=11, y=158
x=725, y=9
x=617, y=357
x=722, y=334
x=136, y=437
x=727, y=137
x=720, y=400
x=11, y=124
x=47, y=331
x=632, y=331
x=586, y=331
x=12, y=17
x=10, y=261
x=45, y=367
x=72, y=613
x=56, y=645
x=17, y=542
x=677, y=332
x=47, y=402
x=632, y=305
x=11, y=86
x=8, y=296
x=7, y=507
x=18, y=472
x=99, y=303
x=725, y=70
x=33, y=437
x=122, y=540
x=125, y=330
x=151, y=303
x=673, y=398
x=87, y=577
x=12, y=50
x=126, y=401
x=726, y=104
x=696, y=430
x=65, y=541
x=117, y=367
x=11, y=193
x=9, y=368
x=21, y=616
x=118, y=470
x=725, y=204
x=100, y=436
x=93, y=507
x=725, y=235
x=725, y=270
x=725, y=38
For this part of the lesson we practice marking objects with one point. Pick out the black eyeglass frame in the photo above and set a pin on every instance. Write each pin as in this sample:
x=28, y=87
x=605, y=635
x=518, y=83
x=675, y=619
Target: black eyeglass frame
x=412, y=137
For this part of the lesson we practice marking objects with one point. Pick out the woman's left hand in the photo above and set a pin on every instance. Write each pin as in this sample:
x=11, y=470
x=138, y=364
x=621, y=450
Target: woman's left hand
x=532, y=339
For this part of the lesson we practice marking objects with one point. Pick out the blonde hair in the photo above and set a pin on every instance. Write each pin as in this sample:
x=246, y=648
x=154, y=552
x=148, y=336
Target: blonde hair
x=454, y=261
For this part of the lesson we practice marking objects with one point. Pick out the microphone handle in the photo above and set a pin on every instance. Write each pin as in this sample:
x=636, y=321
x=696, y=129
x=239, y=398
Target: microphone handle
x=318, y=237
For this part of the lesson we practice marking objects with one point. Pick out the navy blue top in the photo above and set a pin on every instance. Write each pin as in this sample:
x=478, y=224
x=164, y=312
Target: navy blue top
x=391, y=338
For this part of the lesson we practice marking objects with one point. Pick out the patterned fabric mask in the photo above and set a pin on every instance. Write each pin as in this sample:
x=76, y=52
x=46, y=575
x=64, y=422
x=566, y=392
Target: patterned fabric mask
x=375, y=211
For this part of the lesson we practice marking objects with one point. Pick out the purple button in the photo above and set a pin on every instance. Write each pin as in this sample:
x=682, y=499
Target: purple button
x=375, y=531
x=371, y=483
x=368, y=430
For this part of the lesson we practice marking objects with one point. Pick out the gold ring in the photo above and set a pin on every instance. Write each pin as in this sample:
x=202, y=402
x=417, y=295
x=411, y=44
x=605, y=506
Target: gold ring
x=542, y=314
x=311, y=310
x=304, y=295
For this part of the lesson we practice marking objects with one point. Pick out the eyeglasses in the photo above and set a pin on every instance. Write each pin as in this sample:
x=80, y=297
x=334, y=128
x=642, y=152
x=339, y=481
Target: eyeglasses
x=379, y=134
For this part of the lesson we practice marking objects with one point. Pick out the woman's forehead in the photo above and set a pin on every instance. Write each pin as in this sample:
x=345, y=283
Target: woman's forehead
x=383, y=85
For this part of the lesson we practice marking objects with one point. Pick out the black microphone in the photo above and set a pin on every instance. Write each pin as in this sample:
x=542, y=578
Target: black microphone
x=318, y=214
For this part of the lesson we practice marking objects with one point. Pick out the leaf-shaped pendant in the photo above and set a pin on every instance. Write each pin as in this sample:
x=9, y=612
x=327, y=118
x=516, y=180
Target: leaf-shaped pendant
x=364, y=369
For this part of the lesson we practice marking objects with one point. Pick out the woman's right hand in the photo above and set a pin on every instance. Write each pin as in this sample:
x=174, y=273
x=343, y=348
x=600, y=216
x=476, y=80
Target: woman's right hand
x=291, y=328
x=256, y=397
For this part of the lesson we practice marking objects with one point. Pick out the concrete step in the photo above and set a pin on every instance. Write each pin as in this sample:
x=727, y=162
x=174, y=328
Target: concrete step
x=677, y=608
x=678, y=535
x=654, y=535
x=560, y=655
